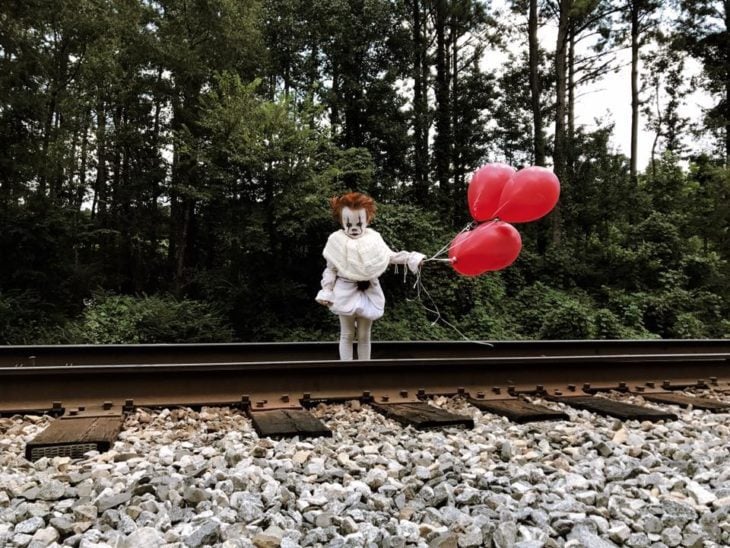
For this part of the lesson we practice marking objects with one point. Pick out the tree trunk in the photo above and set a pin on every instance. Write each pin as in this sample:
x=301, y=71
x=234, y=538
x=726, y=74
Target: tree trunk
x=117, y=163
x=560, y=88
x=443, y=114
x=46, y=143
x=334, y=107
x=459, y=189
x=81, y=190
x=420, y=108
x=634, y=89
x=181, y=245
x=99, y=204
x=182, y=203
x=658, y=134
x=534, y=60
x=726, y=5
x=559, y=154
x=570, y=140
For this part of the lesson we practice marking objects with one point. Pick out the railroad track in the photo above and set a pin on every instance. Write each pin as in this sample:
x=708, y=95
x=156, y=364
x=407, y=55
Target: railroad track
x=91, y=388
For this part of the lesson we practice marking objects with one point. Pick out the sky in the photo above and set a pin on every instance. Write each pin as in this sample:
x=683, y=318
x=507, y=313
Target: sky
x=609, y=99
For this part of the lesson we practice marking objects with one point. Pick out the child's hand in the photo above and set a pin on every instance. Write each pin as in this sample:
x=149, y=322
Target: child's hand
x=324, y=303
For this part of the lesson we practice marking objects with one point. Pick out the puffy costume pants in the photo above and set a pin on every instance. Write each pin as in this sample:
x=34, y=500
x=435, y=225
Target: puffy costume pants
x=348, y=324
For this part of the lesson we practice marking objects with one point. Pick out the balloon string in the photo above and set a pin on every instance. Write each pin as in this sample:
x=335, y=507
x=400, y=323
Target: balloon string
x=449, y=245
x=421, y=289
x=446, y=248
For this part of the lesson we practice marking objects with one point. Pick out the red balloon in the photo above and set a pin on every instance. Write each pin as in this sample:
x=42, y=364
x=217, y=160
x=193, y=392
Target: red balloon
x=532, y=193
x=490, y=246
x=485, y=189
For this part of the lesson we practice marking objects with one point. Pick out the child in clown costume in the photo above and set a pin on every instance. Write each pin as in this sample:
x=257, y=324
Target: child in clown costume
x=356, y=257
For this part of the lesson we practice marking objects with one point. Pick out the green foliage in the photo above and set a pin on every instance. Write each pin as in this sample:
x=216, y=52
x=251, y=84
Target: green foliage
x=190, y=148
x=541, y=312
x=571, y=320
x=688, y=326
x=20, y=322
x=607, y=325
x=112, y=319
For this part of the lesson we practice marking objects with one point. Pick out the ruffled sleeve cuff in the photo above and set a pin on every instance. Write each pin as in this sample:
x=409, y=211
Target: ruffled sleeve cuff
x=414, y=261
x=325, y=295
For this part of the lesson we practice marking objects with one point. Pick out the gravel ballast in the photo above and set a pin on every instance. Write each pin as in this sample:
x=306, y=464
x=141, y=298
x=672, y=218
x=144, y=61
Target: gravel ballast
x=190, y=479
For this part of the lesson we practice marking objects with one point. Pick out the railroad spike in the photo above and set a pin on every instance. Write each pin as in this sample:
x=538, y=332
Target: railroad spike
x=404, y=393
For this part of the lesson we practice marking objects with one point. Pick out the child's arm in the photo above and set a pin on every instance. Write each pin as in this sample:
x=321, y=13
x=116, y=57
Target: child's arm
x=326, y=295
x=411, y=258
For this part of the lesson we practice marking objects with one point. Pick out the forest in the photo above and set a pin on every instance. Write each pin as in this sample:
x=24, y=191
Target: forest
x=166, y=165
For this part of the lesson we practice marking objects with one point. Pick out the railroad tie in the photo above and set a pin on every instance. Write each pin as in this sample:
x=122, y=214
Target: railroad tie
x=518, y=410
x=420, y=415
x=287, y=423
x=704, y=404
x=74, y=435
x=612, y=408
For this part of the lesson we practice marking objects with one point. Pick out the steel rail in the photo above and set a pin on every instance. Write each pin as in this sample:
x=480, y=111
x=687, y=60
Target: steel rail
x=284, y=384
x=29, y=356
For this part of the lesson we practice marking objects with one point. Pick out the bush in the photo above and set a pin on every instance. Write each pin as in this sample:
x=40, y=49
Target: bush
x=111, y=319
x=571, y=320
x=607, y=325
x=25, y=318
x=688, y=326
x=530, y=307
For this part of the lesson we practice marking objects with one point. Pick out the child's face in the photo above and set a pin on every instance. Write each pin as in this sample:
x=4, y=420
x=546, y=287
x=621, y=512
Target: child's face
x=354, y=221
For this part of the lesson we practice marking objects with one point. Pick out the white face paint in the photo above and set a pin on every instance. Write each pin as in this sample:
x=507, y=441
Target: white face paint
x=354, y=221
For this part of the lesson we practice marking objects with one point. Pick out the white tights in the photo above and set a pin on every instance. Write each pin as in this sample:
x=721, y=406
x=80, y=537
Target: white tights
x=347, y=335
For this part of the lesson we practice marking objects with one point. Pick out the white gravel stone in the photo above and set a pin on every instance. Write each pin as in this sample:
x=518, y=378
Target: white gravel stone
x=699, y=493
x=619, y=534
x=44, y=537
x=29, y=526
x=183, y=478
x=145, y=536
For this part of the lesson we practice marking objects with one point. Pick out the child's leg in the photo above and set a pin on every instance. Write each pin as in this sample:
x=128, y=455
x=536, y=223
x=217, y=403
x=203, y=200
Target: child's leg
x=363, y=338
x=347, y=335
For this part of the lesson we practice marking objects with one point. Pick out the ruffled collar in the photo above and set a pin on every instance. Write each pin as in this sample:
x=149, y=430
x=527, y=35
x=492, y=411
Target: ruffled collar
x=358, y=259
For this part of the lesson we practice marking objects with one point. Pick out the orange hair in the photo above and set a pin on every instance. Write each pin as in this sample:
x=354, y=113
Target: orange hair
x=353, y=200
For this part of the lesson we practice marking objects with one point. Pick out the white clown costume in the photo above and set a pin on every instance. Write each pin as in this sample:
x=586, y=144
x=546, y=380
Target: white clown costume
x=356, y=257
